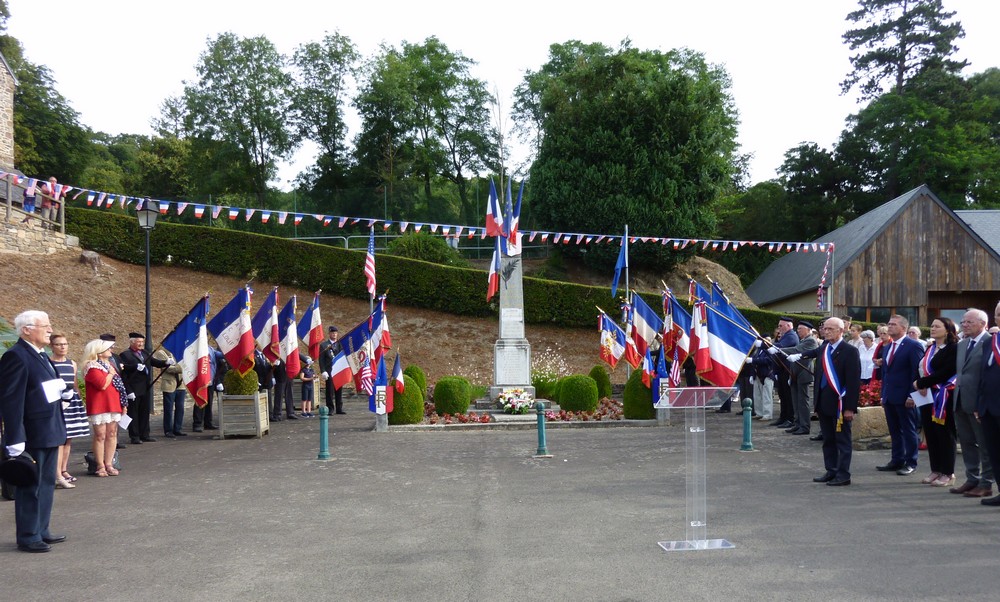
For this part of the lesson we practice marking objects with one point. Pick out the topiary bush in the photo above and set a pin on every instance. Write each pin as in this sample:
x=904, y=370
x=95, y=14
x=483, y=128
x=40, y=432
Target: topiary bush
x=557, y=390
x=637, y=401
x=426, y=247
x=452, y=395
x=600, y=375
x=417, y=374
x=578, y=393
x=545, y=384
x=408, y=406
x=235, y=384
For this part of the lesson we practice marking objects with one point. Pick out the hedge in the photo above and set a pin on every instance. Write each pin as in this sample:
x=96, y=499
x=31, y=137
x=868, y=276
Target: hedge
x=417, y=374
x=637, y=400
x=578, y=393
x=408, y=406
x=312, y=266
x=600, y=375
x=452, y=395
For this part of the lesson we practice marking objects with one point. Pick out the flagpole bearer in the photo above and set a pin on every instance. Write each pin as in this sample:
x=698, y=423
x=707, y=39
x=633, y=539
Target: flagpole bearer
x=147, y=221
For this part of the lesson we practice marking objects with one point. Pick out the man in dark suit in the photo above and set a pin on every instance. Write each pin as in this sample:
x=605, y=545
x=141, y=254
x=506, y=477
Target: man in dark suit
x=900, y=367
x=328, y=351
x=988, y=408
x=783, y=375
x=201, y=418
x=972, y=349
x=137, y=372
x=31, y=408
x=838, y=372
x=802, y=377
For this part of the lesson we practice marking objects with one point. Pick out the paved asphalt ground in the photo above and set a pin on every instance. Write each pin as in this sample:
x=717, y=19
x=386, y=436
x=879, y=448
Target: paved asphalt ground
x=470, y=515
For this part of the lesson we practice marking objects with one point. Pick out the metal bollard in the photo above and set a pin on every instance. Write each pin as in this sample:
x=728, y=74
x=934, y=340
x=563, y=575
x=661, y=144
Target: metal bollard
x=542, y=452
x=324, y=425
x=747, y=405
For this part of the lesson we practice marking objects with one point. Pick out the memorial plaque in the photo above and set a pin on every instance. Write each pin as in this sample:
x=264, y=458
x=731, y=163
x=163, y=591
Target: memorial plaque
x=511, y=323
x=512, y=364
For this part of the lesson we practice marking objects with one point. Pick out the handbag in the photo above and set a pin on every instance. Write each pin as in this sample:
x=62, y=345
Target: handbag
x=92, y=463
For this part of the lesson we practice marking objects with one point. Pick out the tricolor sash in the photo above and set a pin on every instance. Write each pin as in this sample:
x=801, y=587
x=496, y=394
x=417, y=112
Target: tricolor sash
x=940, y=393
x=834, y=382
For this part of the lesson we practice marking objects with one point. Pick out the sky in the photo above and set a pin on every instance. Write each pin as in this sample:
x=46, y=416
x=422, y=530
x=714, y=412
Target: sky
x=116, y=61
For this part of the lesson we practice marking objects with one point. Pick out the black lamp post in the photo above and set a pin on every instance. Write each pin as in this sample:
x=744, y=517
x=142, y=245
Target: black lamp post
x=147, y=221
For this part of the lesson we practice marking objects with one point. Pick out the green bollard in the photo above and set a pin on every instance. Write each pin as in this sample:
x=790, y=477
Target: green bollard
x=542, y=452
x=747, y=405
x=324, y=425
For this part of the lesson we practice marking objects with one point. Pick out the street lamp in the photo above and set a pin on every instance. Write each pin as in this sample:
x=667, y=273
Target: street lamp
x=147, y=221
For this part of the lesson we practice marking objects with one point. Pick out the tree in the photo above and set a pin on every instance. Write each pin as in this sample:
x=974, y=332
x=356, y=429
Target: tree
x=635, y=137
x=424, y=116
x=816, y=202
x=898, y=40
x=739, y=217
x=323, y=71
x=241, y=100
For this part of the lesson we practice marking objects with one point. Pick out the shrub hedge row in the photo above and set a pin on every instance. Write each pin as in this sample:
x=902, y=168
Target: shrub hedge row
x=302, y=264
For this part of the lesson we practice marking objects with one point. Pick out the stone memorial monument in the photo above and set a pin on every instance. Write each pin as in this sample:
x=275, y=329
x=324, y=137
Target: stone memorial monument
x=512, y=352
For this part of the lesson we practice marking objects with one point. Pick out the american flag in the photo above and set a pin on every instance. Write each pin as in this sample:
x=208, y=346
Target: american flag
x=675, y=371
x=367, y=382
x=370, y=267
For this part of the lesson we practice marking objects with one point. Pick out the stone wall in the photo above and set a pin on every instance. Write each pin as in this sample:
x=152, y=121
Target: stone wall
x=6, y=120
x=31, y=238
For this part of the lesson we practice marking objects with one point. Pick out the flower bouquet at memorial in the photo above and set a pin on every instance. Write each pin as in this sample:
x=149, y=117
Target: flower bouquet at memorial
x=870, y=394
x=515, y=401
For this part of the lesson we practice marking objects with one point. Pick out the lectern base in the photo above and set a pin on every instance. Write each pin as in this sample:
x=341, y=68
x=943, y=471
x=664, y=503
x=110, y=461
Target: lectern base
x=684, y=545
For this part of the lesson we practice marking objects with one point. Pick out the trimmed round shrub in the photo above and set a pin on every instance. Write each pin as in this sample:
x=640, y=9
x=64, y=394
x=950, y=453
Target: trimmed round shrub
x=417, y=374
x=557, y=390
x=578, y=393
x=408, y=406
x=452, y=395
x=544, y=384
x=234, y=384
x=600, y=375
x=637, y=401
x=426, y=247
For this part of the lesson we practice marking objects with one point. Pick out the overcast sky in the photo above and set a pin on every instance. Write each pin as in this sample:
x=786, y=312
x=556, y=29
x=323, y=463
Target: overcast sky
x=115, y=61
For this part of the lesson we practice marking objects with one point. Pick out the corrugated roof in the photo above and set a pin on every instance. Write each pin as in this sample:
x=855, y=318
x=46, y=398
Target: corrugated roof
x=798, y=272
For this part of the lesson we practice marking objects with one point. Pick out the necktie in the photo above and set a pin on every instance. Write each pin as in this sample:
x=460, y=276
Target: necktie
x=892, y=351
x=45, y=360
x=972, y=344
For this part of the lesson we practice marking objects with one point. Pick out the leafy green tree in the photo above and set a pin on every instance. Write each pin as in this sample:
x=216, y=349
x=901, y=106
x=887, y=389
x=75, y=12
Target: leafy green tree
x=899, y=39
x=635, y=137
x=240, y=104
x=739, y=217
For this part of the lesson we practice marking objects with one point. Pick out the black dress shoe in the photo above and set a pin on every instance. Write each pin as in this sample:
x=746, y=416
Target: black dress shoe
x=784, y=425
x=180, y=434
x=791, y=429
x=776, y=422
x=292, y=417
x=135, y=441
x=990, y=501
x=211, y=427
x=54, y=539
x=34, y=547
x=818, y=437
x=197, y=429
x=169, y=435
x=825, y=478
x=120, y=446
x=889, y=467
x=341, y=412
x=148, y=440
x=800, y=431
x=722, y=411
x=839, y=482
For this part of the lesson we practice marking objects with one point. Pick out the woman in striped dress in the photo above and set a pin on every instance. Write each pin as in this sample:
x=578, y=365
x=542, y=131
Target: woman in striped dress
x=74, y=413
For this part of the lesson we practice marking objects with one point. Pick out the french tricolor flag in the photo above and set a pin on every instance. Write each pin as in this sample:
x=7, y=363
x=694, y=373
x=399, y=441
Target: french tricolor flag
x=494, y=220
x=232, y=330
x=311, y=328
x=189, y=341
x=729, y=344
x=265, y=326
x=645, y=324
x=288, y=335
x=397, y=374
x=493, y=281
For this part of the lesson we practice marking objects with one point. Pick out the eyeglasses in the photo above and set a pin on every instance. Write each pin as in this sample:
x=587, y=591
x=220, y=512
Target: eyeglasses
x=39, y=325
x=59, y=344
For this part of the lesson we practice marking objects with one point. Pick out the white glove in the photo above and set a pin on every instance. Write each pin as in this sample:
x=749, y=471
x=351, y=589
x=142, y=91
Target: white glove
x=751, y=380
x=67, y=394
x=772, y=350
x=219, y=387
x=273, y=382
x=141, y=367
x=794, y=357
x=749, y=360
x=756, y=343
x=171, y=361
x=130, y=396
x=326, y=376
x=15, y=450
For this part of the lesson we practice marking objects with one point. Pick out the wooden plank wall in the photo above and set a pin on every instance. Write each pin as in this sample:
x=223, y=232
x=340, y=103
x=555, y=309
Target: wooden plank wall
x=924, y=248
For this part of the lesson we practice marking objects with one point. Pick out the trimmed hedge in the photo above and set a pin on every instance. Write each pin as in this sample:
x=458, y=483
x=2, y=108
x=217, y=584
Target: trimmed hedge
x=578, y=393
x=417, y=374
x=236, y=384
x=452, y=395
x=600, y=375
x=313, y=266
x=408, y=406
x=637, y=401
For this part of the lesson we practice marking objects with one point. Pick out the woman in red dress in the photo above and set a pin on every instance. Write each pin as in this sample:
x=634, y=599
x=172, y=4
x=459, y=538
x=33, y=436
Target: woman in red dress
x=106, y=402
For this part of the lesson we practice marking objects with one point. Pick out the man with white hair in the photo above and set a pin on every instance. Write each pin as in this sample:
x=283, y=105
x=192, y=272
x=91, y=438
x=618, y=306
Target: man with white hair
x=30, y=394
x=975, y=344
x=838, y=372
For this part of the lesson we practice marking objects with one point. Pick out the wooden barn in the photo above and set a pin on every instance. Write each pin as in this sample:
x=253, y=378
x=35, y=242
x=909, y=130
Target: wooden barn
x=913, y=256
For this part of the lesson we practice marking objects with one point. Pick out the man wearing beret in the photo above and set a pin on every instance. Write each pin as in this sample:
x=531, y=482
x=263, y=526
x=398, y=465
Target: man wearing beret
x=802, y=377
x=328, y=351
x=31, y=408
x=137, y=372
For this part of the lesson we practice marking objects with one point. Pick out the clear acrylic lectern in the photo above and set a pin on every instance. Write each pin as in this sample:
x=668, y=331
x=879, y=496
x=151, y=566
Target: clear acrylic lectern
x=694, y=400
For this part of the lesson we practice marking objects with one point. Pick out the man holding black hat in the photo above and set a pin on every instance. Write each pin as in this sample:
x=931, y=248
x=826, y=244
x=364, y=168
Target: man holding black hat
x=137, y=372
x=328, y=351
x=30, y=395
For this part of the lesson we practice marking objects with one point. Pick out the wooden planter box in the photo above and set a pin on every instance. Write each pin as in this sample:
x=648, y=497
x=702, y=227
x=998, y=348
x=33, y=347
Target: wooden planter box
x=243, y=415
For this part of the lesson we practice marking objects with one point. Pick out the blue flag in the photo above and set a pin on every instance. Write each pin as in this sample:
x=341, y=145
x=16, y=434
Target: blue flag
x=621, y=264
